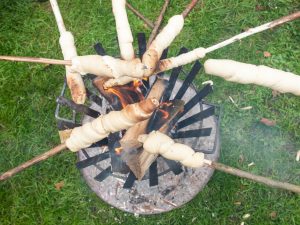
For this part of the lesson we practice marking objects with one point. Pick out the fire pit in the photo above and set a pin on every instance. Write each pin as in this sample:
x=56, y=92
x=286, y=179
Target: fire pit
x=125, y=177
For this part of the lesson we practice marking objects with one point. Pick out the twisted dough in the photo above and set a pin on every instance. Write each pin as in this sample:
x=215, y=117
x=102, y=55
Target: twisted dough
x=107, y=66
x=159, y=143
x=251, y=74
x=162, y=41
x=89, y=133
x=74, y=79
x=123, y=29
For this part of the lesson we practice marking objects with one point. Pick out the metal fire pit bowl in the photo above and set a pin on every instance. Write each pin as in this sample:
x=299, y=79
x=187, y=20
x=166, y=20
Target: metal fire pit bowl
x=172, y=190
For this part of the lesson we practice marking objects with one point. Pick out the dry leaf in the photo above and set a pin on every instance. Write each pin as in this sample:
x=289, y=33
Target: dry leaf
x=273, y=215
x=237, y=203
x=59, y=185
x=267, y=54
x=260, y=8
x=268, y=122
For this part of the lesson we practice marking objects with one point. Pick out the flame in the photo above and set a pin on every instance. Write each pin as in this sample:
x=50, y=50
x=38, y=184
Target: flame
x=165, y=113
x=124, y=93
x=118, y=150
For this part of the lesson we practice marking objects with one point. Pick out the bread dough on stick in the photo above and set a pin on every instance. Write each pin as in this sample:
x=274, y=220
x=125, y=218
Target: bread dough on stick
x=162, y=41
x=251, y=74
x=125, y=38
x=107, y=66
x=159, y=143
x=101, y=127
x=74, y=79
x=182, y=59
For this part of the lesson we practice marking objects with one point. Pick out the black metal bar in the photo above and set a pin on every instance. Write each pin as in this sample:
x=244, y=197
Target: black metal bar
x=164, y=54
x=174, y=166
x=101, y=143
x=93, y=97
x=117, y=164
x=79, y=108
x=129, y=181
x=104, y=174
x=92, y=160
x=203, y=132
x=142, y=43
x=197, y=117
x=62, y=125
x=99, y=49
x=172, y=81
x=153, y=174
x=188, y=80
x=197, y=98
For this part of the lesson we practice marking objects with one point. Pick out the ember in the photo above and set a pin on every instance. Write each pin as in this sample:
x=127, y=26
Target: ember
x=118, y=150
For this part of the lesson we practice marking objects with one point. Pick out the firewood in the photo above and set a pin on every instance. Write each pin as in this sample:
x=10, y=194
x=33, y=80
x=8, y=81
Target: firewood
x=123, y=29
x=251, y=74
x=159, y=143
x=133, y=132
x=140, y=161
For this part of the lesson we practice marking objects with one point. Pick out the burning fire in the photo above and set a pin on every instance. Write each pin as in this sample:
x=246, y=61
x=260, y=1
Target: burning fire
x=162, y=108
x=127, y=94
x=118, y=150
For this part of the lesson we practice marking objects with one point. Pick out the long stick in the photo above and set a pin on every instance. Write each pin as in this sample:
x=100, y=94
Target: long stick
x=256, y=178
x=141, y=16
x=158, y=22
x=33, y=161
x=255, y=30
x=189, y=8
x=58, y=17
x=37, y=60
x=198, y=53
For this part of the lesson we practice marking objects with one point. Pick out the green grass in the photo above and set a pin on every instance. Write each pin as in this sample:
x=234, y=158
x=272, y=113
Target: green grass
x=27, y=103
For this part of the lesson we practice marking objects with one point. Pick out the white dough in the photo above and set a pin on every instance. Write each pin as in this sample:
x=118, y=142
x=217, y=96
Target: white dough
x=101, y=127
x=74, y=79
x=123, y=29
x=107, y=66
x=159, y=143
x=251, y=74
x=161, y=42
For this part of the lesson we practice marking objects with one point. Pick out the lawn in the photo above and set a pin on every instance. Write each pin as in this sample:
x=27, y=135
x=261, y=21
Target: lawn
x=27, y=103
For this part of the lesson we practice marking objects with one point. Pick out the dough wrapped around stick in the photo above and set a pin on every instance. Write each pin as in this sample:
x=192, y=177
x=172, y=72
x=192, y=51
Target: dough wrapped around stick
x=159, y=143
x=67, y=44
x=89, y=133
x=163, y=40
x=284, y=82
x=107, y=66
x=123, y=29
x=74, y=79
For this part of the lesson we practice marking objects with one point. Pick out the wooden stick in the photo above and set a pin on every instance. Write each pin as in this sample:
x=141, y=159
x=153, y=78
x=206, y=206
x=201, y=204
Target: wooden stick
x=37, y=60
x=141, y=16
x=198, y=53
x=58, y=17
x=254, y=30
x=33, y=161
x=256, y=178
x=189, y=8
x=158, y=22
